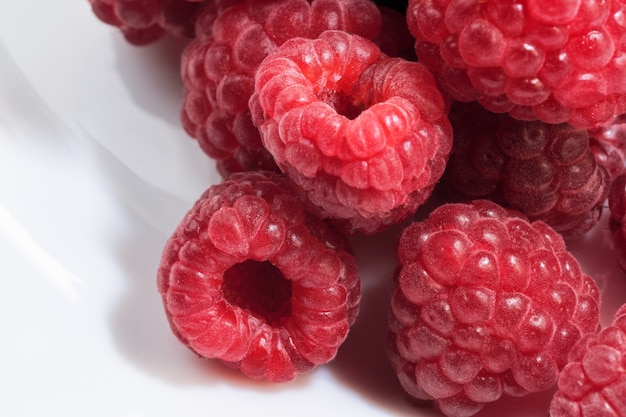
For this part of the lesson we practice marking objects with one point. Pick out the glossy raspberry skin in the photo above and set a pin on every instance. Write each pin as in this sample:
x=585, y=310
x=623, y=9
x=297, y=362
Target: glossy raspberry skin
x=365, y=136
x=144, y=21
x=545, y=171
x=218, y=67
x=552, y=61
x=485, y=303
x=251, y=279
x=593, y=383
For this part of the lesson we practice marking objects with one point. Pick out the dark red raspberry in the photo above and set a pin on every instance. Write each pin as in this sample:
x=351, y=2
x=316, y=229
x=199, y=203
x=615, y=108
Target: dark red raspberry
x=593, y=383
x=545, y=171
x=218, y=67
x=365, y=136
x=617, y=217
x=535, y=59
x=144, y=21
x=252, y=279
x=485, y=303
x=608, y=145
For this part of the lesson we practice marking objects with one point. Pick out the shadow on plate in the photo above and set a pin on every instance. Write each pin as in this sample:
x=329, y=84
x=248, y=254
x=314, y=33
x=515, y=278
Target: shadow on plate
x=151, y=74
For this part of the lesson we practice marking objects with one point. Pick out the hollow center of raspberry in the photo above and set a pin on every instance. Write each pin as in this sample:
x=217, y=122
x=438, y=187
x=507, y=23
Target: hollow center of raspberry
x=341, y=102
x=260, y=288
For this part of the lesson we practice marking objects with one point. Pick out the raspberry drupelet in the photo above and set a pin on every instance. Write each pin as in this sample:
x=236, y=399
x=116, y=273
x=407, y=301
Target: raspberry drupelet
x=555, y=61
x=218, y=67
x=365, y=136
x=485, y=303
x=144, y=21
x=593, y=383
x=546, y=171
x=252, y=279
x=608, y=145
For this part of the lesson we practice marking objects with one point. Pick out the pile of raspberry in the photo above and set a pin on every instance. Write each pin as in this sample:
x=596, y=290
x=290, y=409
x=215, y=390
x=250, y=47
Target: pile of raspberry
x=481, y=133
x=556, y=61
x=145, y=21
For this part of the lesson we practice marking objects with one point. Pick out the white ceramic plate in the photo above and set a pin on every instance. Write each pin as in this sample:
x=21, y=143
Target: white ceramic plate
x=95, y=172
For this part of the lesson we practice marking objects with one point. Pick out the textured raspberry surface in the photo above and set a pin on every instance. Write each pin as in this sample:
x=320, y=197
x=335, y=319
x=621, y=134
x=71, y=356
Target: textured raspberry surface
x=552, y=61
x=545, y=171
x=608, y=145
x=144, y=21
x=218, y=67
x=253, y=280
x=593, y=383
x=485, y=303
x=365, y=136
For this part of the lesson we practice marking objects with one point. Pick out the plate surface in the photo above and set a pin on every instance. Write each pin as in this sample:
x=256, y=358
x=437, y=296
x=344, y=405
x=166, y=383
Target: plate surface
x=95, y=173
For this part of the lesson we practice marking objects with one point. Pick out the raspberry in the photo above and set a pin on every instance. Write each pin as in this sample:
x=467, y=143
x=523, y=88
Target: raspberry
x=251, y=279
x=365, y=136
x=144, y=21
x=593, y=383
x=485, y=303
x=545, y=171
x=537, y=60
x=617, y=217
x=608, y=145
x=218, y=67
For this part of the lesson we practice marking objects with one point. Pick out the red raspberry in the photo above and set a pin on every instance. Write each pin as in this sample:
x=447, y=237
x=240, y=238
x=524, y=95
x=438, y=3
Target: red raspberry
x=218, y=67
x=485, y=303
x=617, y=217
x=593, y=383
x=144, y=21
x=608, y=145
x=545, y=171
x=535, y=59
x=253, y=280
x=365, y=136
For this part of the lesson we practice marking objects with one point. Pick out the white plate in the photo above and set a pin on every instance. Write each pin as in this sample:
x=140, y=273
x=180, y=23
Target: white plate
x=95, y=172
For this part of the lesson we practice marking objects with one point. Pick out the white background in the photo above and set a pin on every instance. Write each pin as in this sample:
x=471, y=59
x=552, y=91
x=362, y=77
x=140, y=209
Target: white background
x=95, y=172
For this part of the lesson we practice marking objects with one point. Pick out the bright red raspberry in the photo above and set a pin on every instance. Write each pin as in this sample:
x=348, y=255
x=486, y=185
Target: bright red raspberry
x=593, y=383
x=485, y=303
x=365, y=136
x=546, y=171
x=555, y=61
x=144, y=21
x=218, y=67
x=252, y=279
